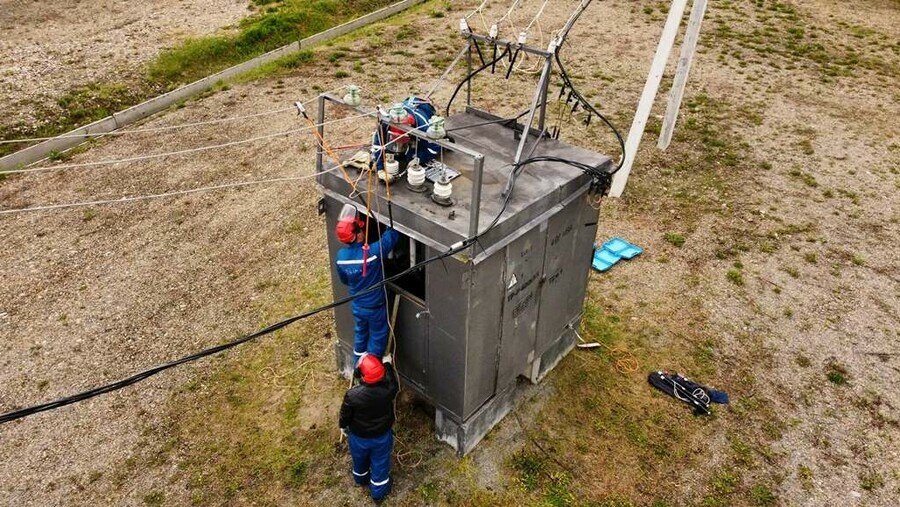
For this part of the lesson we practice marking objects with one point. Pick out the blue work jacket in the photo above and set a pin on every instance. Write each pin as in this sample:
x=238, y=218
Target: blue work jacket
x=350, y=269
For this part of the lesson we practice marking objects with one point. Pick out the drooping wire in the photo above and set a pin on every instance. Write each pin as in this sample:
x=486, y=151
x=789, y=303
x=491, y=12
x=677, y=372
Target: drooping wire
x=540, y=12
x=163, y=127
x=143, y=375
x=477, y=9
x=133, y=379
x=179, y=152
x=175, y=193
x=508, y=16
x=568, y=84
x=148, y=129
x=472, y=75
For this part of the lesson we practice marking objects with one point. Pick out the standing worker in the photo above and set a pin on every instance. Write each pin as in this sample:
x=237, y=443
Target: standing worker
x=367, y=416
x=359, y=266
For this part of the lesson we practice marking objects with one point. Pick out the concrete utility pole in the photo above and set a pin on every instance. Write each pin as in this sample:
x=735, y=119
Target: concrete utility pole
x=651, y=87
x=688, y=48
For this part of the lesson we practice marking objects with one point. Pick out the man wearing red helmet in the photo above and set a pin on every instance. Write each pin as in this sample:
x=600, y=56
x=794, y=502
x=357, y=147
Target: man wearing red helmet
x=359, y=267
x=367, y=416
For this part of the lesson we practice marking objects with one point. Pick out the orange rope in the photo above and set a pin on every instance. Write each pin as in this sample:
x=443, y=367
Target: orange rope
x=334, y=157
x=368, y=205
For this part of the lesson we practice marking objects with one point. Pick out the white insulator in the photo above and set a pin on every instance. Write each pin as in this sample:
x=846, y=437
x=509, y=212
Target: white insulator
x=464, y=27
x=443, y=189
x=385, y=176
x=436, y=128
x=353, y=97
x=398, y=113
x=494, y=31
x=551, y=48
x=393, y=168
x=523, y=37
x=415, y=174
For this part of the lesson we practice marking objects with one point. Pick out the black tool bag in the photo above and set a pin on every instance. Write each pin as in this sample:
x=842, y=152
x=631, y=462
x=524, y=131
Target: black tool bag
x=683, y=389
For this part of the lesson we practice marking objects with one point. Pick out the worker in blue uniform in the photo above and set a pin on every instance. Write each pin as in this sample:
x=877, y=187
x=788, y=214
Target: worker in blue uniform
x=367, y=418
x=418, y=114
x=359, y=266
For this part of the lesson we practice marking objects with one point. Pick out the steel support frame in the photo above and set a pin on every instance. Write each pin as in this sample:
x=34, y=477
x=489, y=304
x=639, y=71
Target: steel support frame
x=477, y=158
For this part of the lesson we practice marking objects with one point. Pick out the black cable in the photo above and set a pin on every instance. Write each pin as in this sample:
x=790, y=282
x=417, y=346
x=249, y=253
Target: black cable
x=587, y=105
x=512, y=63
x=478, y=49
x=90, y=393
x=473, y=74
x=567, y=83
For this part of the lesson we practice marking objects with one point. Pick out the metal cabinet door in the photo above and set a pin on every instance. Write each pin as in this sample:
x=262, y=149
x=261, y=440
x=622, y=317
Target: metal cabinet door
x=522, y=279
x=562, y=276
x=411, y=333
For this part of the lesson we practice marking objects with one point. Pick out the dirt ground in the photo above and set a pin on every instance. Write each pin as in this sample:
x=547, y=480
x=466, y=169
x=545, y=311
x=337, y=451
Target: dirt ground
x=769, y=271
x=48, y=48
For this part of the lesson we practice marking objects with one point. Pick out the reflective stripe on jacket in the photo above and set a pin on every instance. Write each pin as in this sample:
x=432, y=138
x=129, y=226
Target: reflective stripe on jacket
x=350, y=260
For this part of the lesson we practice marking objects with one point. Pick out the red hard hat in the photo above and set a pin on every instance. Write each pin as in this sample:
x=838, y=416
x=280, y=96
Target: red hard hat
x=371, y=369
x=347, y=228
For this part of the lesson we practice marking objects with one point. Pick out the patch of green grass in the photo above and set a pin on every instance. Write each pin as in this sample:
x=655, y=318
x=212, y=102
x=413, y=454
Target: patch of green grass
x=762, y=495
x=735, y=276
x=724, y=483
x=836, y=372
x=674, y=238
x=154, y=498
x=806, y=477
x=529, y=467
x=810, y=257
x=296, y=473
x=743, y=453
x=807, y=179
x=281, y=23
x=849, y=194
x=871, y=481
x=279, y=66
x=802, y=361
x=792, y=271
x=288, y=22
x=341, y=74
x=82, y=105
x=557, y=493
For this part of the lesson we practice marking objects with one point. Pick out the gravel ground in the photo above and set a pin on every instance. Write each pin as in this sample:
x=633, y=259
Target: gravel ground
x=48, y=48
x=90, y=295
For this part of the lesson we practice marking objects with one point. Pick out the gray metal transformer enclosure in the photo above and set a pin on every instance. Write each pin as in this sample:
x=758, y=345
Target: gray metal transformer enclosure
x=469, y=326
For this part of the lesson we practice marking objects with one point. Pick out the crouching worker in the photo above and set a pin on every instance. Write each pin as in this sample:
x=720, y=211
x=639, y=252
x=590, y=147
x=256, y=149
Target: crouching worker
x=367, y=416
x=359, y=267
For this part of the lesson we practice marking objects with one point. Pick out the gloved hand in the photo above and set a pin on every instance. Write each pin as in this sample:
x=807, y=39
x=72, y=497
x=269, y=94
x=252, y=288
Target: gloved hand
x=344, y=433
x=387, y=359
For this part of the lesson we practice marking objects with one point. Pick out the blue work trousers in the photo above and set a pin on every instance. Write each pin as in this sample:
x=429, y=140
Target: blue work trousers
x=371, y=331
x=372, y=462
